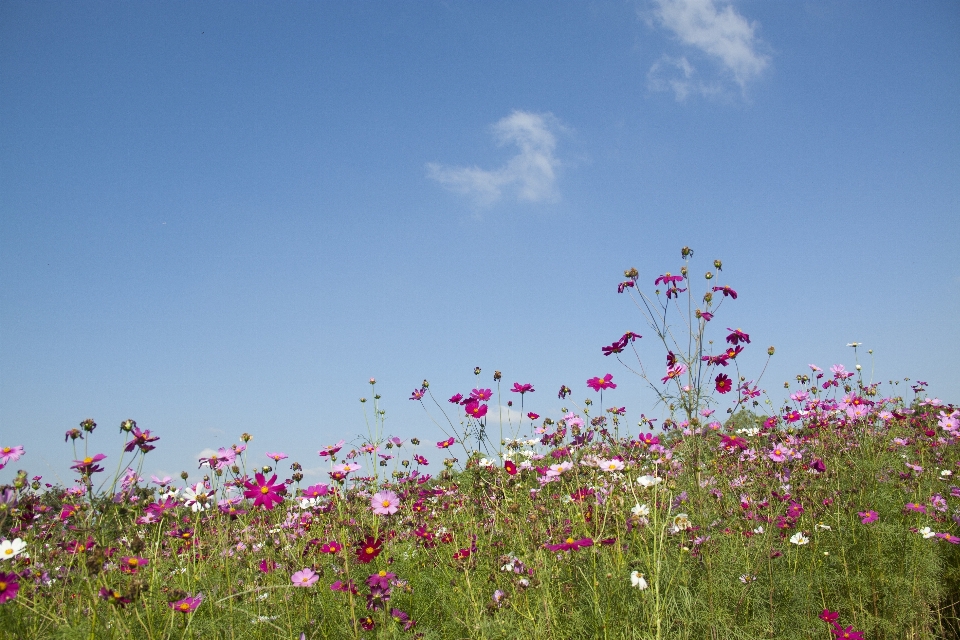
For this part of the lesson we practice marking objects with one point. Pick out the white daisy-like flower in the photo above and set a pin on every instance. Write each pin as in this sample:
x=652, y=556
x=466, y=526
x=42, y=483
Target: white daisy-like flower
x=822, y=527
x=637, y=580
x=610, y=465
x=799, y=539
x=759, y=530
x=648, y=481
x=640, y=510
x=11, y=548
x=927, y=532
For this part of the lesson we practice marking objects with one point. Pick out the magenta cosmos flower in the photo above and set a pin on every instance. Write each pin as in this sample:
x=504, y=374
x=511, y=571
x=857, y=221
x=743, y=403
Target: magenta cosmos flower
x=475, y=410
x=8, y=586
x=481, y=394
x=846, y=633
x=522, y=388
x=724, y=385
x=304, y=578
x=445, y=444
x=264, y=492
x=598, y=384
x=330, y=449
x=89, y=464
x=867, y=517
x=385, y=503
x=570, y=544
x=188, y=604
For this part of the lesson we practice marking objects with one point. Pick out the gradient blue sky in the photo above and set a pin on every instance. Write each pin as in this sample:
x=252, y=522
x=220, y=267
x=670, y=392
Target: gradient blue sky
x=226, y=217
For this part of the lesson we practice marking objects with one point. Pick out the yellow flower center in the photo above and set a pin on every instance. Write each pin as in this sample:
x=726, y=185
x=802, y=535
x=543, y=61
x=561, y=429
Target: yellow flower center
x=184, y=606
x=264, y=490
x=87, y=460
x=133, y=562
x=370, y=550
x=383, y=573
x=569, y=540
x=7, y=449
x=8, y=551
x=385, y=503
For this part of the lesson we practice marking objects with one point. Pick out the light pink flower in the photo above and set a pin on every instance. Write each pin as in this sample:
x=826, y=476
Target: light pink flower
x=385, y=503
x=304, y=578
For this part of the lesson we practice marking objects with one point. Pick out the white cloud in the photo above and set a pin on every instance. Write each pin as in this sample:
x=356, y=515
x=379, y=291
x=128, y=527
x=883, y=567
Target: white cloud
x=531, y=174
x=716, y=29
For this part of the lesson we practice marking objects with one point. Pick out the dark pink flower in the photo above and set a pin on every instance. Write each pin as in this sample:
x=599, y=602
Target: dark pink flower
x=481, y=394
x=89, y=464
x=8, y=586
x=606, y=382
x=737, y=337
x=330, y=449
x=456, y=398
x=829, y=616
x=475, y=409
x=867, y=517
x=846, y=633
x=263, y=492
x=112, y=596
x=510, y=467
x=188, y=604
x=522, y=388
x=727, y=291
x=723, y=383
x=331, y=547
x=418, y=394
x=445, y=444
x=141, y=439
x=564, y=391
x=668, y=279
x=570, y=544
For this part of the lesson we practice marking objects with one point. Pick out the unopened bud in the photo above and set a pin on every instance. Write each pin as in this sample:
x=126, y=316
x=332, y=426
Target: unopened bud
x=631, y=273
x=770, y=351
x=718, y=265
x=708, y=297
x=476, y=371
x=425, y=385
x=708, y=275
x=858, y=367
x=496, y=376
x=127, y=425
x=184, y=475
x=266, y=468
x=686, y=252
x=373, y=381
x=683, y=271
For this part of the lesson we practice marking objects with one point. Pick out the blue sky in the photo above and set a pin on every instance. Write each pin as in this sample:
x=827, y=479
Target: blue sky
x=227, y=217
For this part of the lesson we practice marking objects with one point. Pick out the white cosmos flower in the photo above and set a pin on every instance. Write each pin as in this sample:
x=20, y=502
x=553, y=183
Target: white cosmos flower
x=11, y=548
x=926, y=532
x=648, y=481
x=610, y=465
x=640, y=510
x=636, y=580
x=799, y=539
x=759, y=530
x=822, y=527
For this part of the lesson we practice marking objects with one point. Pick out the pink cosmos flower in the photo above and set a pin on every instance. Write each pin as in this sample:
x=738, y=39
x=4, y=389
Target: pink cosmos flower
x=221, y=459
x=10, y=454
x=132, y=564
x=522, y=388
x=868, y=517
x=264, y=492
x=445, y=444
x=829, y=616
x=187, y=605
x=737, y=337
x=385, y=503
x=778, y=454
x=346, y=467
x=727, y=291
x=610, y=465
x=455, y=398
x=276, y=457
x=510, y=467
x=675, y=371
x=304, y=578
x=598, y=384
x=418, y=394
x=846, y=633
x=141, y=439
x=481, y=394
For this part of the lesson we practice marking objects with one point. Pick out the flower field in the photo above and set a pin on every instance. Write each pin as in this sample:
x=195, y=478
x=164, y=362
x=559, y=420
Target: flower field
x=833, y=513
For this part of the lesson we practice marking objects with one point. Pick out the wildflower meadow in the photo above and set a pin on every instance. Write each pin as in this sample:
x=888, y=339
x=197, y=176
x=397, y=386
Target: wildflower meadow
x=829, y=509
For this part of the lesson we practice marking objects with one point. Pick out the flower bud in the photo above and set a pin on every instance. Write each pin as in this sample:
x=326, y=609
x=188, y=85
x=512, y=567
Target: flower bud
x=184, y=475
x=476, y=371
x=770, y=351
x=373, y=381
x=708, y=275
x=683, y=271
x=246, y=437
x=496, y=376
x=718, y=265
x=127, y=425
x=425, y=385
x=88, y=425
x=708, y=297
x=686, y=252
x=631, y=273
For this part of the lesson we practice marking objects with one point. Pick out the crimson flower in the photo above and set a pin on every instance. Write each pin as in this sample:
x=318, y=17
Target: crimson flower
x=606, y=382
x=131, y=564
x=724, y=385
x=264, y=492
x=331, y=547
x=510, y=467
x=616, y=347
x=570, y=544
x=456, y=398
x=522, y=388
x=369, y=549
x=671, y=358
x=727, y=291
x=737, y=337
x=706, y=315
x=445, y=444
x=330, y=449
x=475, y=410
x=733, y=352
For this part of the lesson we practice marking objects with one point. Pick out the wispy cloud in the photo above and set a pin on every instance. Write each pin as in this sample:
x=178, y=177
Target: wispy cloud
x=530, y=175
x=714, y=28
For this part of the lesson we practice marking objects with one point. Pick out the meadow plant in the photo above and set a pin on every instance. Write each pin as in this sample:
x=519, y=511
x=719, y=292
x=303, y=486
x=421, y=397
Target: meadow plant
x=835, y=514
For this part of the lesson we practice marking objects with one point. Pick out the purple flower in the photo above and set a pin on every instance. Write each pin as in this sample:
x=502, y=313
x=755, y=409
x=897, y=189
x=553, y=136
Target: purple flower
x=8, y=586
x=187, y=605
x=264, y=492
x=867, y=517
